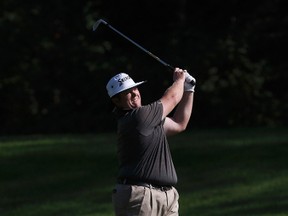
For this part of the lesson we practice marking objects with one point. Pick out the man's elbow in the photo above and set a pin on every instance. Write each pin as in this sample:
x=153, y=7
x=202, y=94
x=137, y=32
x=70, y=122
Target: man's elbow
x=181, y=128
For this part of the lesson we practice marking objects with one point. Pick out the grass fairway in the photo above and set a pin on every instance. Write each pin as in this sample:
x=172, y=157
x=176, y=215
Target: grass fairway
x=221, y=172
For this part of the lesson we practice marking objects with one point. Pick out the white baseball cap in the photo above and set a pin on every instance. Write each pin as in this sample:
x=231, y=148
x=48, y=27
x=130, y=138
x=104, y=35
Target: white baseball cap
x=119, y=83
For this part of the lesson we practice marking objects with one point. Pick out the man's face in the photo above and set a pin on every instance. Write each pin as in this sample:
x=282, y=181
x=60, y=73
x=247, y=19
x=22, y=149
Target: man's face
x=129, y=99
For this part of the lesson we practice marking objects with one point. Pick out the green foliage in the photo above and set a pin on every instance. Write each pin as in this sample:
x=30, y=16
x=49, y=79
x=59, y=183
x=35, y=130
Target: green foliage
x=241, y=85
x=54, y=68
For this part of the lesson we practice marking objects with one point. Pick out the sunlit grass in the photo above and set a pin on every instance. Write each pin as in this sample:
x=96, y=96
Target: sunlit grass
x=221, y=172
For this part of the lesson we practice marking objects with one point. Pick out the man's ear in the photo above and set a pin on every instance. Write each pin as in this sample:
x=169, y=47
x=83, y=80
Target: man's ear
x=116, y=101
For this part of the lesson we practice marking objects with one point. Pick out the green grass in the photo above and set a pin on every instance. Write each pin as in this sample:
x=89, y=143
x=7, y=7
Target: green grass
x=221, y=172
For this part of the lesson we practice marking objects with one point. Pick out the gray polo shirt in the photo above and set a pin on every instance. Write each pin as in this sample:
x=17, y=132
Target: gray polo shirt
x=143, y=149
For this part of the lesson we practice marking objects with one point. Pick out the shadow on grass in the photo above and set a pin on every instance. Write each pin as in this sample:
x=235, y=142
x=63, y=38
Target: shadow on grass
x=73, y=174
x=220, y=173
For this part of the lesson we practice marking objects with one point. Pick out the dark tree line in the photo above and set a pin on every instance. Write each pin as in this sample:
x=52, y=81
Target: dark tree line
x=54, y=68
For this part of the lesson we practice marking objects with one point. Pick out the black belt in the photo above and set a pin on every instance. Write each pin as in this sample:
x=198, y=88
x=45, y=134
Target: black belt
x=144, y=184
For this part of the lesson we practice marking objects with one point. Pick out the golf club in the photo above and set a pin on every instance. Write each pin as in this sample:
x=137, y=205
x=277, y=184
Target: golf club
x=189, y=78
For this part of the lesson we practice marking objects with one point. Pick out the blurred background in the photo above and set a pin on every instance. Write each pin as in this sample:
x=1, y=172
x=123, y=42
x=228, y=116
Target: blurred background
x=54, y=68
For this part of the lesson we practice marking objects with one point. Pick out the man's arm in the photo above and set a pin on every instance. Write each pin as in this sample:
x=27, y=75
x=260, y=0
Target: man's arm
x=174, y=93
x=179, y=121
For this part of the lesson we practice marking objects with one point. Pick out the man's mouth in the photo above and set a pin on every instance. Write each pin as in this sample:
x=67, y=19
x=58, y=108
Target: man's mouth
x=135, y=99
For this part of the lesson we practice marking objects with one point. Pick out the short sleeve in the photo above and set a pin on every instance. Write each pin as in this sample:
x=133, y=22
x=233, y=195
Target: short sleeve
x=149, y=117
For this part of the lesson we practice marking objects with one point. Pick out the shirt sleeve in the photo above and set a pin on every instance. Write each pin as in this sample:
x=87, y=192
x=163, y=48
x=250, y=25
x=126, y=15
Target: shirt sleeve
x=149, y=117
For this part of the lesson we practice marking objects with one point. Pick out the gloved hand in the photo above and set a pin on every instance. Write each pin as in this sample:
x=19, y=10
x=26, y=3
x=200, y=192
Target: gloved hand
x=190, y=82
x=188, y=87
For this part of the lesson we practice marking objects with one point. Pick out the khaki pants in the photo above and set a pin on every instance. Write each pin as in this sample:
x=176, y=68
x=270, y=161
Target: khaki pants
x=130, y=200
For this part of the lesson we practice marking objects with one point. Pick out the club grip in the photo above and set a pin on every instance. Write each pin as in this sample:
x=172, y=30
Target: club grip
x=188, y=77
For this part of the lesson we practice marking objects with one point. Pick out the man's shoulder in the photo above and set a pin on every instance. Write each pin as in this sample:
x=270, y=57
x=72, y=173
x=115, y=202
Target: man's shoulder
x=152, y=109
x=155, y=105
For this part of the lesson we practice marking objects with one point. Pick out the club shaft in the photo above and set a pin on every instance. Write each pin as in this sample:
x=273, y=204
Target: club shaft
x=140, y=47
x=136, y=44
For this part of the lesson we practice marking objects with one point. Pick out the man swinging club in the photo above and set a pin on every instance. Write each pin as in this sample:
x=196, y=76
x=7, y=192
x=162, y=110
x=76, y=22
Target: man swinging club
x=146, y=179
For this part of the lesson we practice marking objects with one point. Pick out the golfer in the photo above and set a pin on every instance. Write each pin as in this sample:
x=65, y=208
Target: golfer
x=146, y=180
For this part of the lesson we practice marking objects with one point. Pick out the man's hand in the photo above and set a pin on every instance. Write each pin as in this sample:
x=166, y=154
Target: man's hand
x=179, y=74
x=188, y=87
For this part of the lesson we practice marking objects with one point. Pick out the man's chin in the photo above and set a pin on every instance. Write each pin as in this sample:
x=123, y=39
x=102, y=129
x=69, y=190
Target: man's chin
x=135, y=105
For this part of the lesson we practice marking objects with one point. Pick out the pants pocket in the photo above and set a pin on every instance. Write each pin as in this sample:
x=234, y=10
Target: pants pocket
x=120, y=198
x=137, y=197
x=128, y=200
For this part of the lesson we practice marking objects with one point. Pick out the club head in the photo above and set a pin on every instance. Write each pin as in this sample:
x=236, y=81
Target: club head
x=97, y=23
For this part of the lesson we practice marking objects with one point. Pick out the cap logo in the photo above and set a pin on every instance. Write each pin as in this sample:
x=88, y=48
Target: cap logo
x=122, y=80
x=119, y=83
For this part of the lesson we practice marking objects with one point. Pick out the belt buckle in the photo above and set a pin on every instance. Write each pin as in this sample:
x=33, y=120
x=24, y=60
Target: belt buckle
x=163, y=188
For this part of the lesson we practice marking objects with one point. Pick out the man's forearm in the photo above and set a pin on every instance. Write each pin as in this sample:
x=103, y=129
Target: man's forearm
x=175, y=91
x=172, y=97
x=183, y=111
